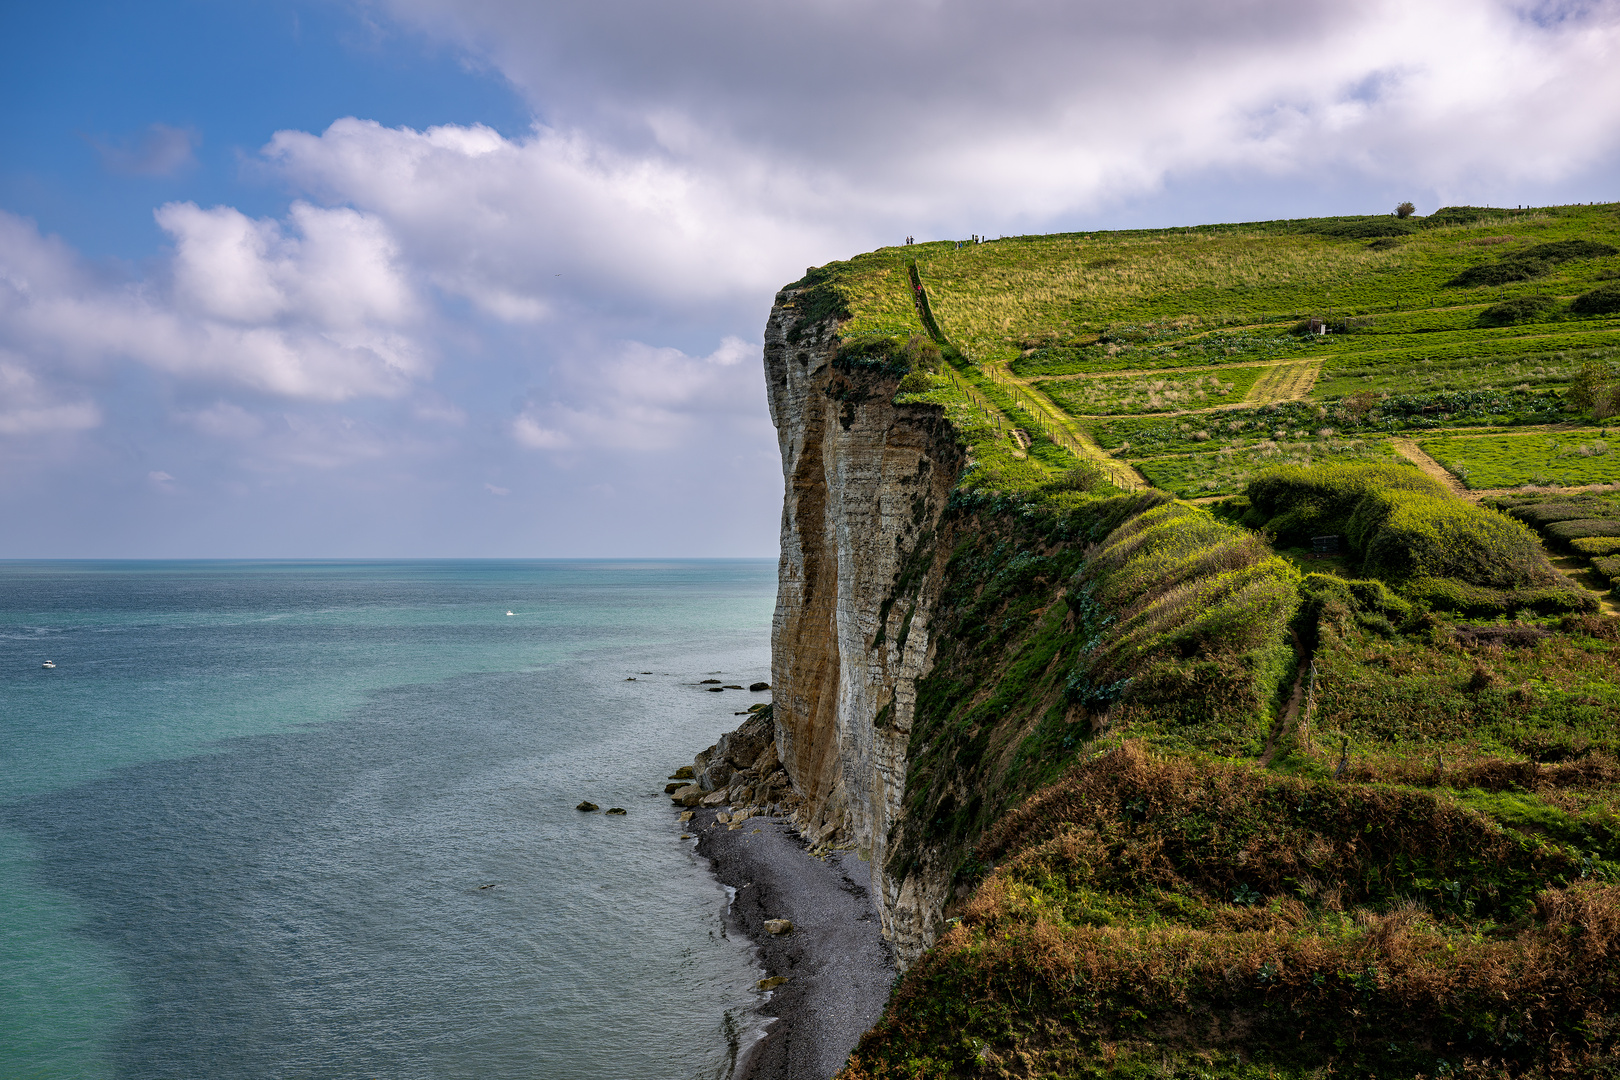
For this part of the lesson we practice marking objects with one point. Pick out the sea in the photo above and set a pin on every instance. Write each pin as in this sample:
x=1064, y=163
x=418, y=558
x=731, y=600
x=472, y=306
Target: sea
x=317, y=819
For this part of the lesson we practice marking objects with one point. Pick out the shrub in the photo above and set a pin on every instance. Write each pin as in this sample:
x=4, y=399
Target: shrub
x=1501, y=273
x=1603, y=300
x=1609, y=567
x=1200, y=609
x=1366, y=598
x=1294, y=504
x=1545, y=513
x=1583, y=527
x=1463, y=215
x=1596, y=389
x=1593, y=546
x=1521, y=309
x=1484, y=602
x=1365, y=228
x=1384, y=244
x=916, y=382
x=1083, y=477
x=1405, y=210
x=1408, y=534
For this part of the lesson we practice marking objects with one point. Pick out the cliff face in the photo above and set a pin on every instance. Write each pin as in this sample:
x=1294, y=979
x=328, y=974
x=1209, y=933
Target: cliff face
x=866, y=482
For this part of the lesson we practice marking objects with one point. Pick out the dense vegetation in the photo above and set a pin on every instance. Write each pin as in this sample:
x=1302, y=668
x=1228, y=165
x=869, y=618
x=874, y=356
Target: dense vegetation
x=1318, y=779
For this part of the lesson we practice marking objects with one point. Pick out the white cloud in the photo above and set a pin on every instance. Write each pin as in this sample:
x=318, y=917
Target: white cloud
x=952, y=112
x=493, y=490
x=644, y=398
x=525, y=227
x=27, y=408
x=323, y=315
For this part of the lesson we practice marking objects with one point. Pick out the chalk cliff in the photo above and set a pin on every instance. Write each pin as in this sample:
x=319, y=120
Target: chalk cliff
x=866, y=482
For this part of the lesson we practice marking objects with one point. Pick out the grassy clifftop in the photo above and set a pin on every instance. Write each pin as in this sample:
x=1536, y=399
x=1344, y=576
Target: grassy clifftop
x=1184, y=358
x=1322, y=777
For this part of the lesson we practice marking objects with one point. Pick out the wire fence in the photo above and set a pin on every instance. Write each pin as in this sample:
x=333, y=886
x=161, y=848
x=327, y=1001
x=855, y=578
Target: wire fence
x=1121, y=474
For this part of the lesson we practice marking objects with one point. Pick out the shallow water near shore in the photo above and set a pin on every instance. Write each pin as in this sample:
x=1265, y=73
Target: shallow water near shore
x=317, y=819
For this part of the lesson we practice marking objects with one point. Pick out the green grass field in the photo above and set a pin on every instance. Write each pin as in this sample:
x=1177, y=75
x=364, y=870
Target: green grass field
x=1569, y=457
x=1113, y=328
x=1116, y=395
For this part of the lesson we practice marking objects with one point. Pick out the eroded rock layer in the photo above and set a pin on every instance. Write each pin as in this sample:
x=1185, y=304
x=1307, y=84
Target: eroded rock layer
x=866, y=481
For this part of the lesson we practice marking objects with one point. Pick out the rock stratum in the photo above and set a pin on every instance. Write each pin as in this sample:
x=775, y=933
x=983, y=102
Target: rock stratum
x=866, y=481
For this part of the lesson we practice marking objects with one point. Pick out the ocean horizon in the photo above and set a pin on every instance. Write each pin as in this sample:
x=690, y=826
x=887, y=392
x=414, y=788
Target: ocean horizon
x=315, y=817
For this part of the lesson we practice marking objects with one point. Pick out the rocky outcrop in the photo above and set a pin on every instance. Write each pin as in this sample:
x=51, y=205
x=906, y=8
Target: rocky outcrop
x=866, y=481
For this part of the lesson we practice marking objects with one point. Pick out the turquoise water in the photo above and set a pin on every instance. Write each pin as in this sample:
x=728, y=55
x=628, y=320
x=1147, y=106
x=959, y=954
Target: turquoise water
x=247, y=822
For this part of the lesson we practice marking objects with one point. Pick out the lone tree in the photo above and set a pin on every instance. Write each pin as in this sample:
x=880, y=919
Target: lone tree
x=1404, y=210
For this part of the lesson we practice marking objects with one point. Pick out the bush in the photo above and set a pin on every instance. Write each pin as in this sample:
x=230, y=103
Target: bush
x=1083, y=477
x=1484, y=602
x=1609, y=567
x=895, y=353
x=1463, y=215
x=1364, y=597
x=1384, y=244
x=1365, y=228
x=916, y=382
x=1522, y=309
x=1603, y=300
x=1405, y=210
x=1594, y=546
x=1545, y=513
x=1583, y=527
x=1200, y=605
x=1295, y=504
x=1595, y=389
x=1501, y=273
x=1566, y=250
x=1407, y=534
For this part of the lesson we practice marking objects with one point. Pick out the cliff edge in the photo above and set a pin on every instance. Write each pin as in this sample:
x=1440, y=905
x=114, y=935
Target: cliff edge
x=866, y=482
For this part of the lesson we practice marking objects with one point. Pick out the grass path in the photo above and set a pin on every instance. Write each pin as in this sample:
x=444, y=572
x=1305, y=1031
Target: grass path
x=1410, y=450
x=1062, y=428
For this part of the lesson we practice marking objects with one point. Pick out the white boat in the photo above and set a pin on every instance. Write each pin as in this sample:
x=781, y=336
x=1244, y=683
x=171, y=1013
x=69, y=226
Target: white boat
x=511, y=613
x=48, y=663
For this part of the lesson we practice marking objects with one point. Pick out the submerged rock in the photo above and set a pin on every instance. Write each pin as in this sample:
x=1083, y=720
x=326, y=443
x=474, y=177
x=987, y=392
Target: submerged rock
x=683, y=773
x=617, y=810
x=757, y=687
x=587, y=807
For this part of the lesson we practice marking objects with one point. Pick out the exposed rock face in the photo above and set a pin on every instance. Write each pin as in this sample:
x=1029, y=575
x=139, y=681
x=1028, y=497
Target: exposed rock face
x=866, y=482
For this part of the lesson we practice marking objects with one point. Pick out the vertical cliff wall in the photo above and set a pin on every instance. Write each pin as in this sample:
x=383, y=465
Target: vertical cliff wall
x=866, y=482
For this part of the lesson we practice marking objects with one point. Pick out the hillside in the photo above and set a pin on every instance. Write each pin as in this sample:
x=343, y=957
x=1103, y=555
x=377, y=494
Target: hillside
x=1213, y=695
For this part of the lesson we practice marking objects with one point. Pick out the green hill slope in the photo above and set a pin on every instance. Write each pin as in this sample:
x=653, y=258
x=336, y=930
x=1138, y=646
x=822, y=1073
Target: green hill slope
x=1320, y=779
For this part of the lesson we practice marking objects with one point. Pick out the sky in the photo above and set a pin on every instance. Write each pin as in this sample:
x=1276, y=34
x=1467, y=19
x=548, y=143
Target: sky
x=488, y=278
